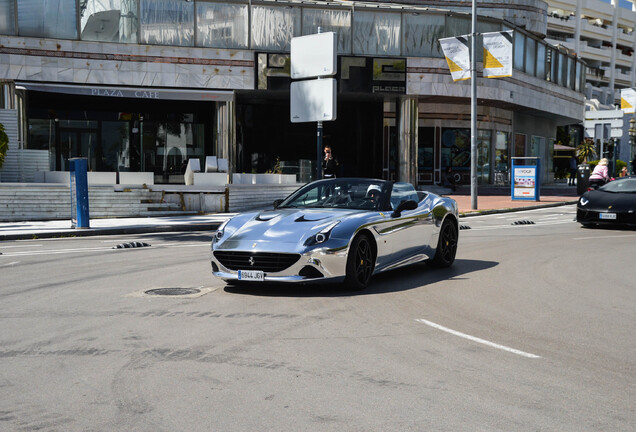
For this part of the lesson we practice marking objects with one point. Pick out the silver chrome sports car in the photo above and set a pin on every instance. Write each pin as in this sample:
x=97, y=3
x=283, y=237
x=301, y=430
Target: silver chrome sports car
x=344, y=229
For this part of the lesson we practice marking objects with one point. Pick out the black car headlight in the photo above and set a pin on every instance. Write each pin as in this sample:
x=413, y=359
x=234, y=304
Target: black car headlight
x=322, y=235
x=583, y=201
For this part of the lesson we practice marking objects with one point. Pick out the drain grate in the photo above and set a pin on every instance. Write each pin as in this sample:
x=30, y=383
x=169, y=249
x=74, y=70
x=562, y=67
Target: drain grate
x=131, y=245
x=523, y=222
x=173, y=291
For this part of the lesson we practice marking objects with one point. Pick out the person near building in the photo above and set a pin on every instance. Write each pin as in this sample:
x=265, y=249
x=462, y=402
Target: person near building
x=600, y=175
x=573, y=165
x=449, y=179
x=624, y=172
x=329, y=163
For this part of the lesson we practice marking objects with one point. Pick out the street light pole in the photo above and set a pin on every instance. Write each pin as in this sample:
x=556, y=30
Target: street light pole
x=473, y=111
x=632, y=144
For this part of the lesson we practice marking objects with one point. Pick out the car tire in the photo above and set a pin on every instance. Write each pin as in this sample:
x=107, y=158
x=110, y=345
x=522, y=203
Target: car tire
x=446, y=245
x=360, y=263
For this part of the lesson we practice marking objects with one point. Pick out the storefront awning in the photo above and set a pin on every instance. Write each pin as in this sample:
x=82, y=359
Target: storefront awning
x=560, y=147
x=145, y=93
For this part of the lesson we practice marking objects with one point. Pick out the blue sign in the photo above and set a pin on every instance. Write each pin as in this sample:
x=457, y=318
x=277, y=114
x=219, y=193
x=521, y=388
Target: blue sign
x=525, y=184
x=79, y=193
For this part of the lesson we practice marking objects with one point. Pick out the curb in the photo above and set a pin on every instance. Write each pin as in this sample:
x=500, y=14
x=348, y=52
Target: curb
x=515, y=209
x=89, y=232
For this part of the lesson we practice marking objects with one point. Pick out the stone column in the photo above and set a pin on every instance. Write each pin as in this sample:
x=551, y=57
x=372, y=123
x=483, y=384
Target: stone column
x=407, y=141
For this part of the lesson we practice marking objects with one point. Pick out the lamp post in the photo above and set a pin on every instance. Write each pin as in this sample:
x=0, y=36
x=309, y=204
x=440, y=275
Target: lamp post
x=632, y=143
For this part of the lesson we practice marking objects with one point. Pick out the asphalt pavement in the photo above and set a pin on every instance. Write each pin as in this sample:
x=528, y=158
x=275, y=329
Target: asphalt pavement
x=489, y=200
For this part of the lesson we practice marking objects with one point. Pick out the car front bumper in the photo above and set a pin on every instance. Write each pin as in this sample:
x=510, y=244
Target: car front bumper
x=323, y=264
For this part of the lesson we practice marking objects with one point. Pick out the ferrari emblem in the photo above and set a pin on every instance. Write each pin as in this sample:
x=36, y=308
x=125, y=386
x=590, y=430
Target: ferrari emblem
x=253, y=245
x=250, y=261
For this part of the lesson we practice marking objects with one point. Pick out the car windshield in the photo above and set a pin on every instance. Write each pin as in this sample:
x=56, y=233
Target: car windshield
x=357, y=194
x=620, y=185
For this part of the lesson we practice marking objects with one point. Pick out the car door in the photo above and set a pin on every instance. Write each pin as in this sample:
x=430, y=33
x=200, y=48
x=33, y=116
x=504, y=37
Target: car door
x=407, y=235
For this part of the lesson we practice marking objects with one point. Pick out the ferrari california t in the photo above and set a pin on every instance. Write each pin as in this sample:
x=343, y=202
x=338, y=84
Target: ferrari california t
x=337, y=230
x=614, y=203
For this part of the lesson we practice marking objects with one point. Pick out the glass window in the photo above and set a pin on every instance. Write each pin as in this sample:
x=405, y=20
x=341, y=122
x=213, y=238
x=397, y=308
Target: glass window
x=483, y=156
x=580, y=77
x=554, y=66
x=110, y=20
x=531, y=53
x=330, y=20
x=7, y=17
x=402, y=192
x=425, y=148
x=519, y=50
x=562, y=71
x=520, y=145
x=55, y=19
x=455, y=149
x=570, y=74
x=376, y=33
x=274, y=27
x=421, y=33
x=115, y=146
x=501, y=152
x=456, y=25
x=167, y=22
x=540, y=73
x=222, y=25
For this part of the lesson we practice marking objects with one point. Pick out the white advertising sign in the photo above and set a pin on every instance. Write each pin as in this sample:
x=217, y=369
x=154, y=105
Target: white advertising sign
x=628, y=100
x=313, y=100
x=457, y=56
x=524, y=182
x=313, y=55
x=497, y=54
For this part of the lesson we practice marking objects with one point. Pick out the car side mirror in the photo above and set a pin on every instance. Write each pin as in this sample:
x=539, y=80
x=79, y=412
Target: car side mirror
x=278, y=202
x=404, y=205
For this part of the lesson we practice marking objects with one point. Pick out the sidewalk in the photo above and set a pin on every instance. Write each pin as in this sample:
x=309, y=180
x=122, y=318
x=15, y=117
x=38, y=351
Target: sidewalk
x=493, y=200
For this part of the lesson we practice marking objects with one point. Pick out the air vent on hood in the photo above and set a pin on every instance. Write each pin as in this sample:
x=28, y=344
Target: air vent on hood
x=304, y=219
x=265, y=218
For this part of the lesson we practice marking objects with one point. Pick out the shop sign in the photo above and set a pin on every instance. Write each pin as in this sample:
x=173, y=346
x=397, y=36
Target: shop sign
x=137, y=94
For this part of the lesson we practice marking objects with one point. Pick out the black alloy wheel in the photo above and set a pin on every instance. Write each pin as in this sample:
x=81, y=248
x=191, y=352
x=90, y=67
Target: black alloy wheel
x=360, y=263
x=446, y=245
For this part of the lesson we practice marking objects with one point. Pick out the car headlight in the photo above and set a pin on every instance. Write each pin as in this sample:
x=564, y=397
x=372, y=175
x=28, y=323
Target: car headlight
x=583, y=201
x=322, y=235
x=221, y=230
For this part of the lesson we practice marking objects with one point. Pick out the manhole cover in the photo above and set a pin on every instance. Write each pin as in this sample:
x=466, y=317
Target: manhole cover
x=173, y=291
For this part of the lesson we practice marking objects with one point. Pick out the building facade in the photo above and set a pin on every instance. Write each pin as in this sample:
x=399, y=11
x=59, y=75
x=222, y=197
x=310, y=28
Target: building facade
x=601, y=34
x=145, y=85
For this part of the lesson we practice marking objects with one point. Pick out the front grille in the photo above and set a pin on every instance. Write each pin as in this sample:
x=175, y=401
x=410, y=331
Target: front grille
x=265, y=261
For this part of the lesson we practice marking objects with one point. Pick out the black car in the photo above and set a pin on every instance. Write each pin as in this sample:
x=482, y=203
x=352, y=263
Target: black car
x=612, y=204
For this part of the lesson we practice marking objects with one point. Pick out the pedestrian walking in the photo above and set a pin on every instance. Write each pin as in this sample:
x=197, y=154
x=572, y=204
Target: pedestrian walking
x=573, y=165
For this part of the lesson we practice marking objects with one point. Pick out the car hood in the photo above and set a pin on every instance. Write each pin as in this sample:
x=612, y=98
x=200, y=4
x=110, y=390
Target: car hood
x=600, y=200
x=283, y=225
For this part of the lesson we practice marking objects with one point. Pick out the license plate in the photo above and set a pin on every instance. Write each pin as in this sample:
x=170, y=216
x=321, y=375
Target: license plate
x=251, y=275
x=607, y=215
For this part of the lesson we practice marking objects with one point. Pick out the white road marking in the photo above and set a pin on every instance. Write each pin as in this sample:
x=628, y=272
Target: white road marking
x=9, y=264
x=476, y=339
x=621, y=236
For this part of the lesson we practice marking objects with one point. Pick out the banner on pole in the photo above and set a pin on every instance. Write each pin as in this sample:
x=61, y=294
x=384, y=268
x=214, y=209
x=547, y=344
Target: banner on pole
x=628, y=100
x=497, y=54
x=457, y=56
